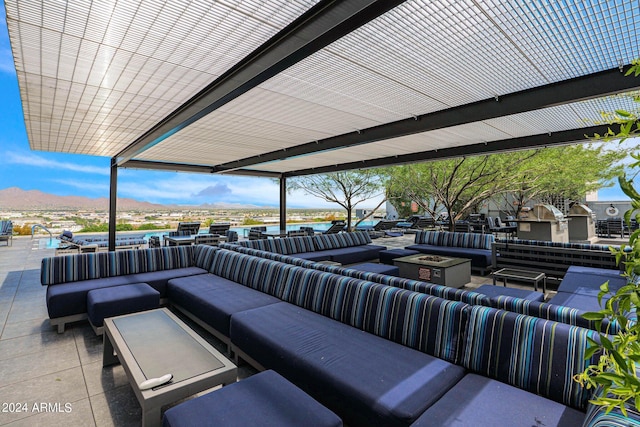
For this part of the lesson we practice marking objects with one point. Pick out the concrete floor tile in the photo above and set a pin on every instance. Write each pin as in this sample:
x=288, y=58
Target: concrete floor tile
x=88, y=343
x=28, y=327
x=57, y=390
x=21, y=368
x=35, y=343
x=27, y=310
x=101, y=380
x=116, y=408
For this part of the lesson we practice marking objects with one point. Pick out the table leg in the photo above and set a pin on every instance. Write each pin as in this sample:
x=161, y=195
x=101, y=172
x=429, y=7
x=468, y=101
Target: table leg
x=108, y=356
x=494, y=280
x=151, y=416
x=535, y=286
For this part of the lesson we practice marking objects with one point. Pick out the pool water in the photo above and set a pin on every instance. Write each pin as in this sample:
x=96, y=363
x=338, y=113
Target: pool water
x=47, y=243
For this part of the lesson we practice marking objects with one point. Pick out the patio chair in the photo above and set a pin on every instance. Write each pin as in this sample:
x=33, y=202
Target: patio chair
x=382, y=228
x=154, y=242
x=6, y=232
x=232, y=236
x=207, y=239
x=309, y=231
x=257, y=233
x=296, y=233
x=219, y=228
x=336, y=227
x=188, y=227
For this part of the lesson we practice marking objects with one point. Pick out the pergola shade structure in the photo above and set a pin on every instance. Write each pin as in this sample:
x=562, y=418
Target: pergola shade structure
x=284, y=88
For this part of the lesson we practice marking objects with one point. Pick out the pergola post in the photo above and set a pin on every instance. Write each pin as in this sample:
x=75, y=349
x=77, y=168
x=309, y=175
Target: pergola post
x=113, y=194
x=283, y=202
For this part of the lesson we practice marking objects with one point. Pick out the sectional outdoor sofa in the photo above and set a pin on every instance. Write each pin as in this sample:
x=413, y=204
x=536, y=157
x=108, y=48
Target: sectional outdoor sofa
x=341, y=248
x=474, y=246
x=374, y=354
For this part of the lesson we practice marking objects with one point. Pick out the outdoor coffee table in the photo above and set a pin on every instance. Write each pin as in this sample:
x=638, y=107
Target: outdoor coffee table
x=154, y=343
x=441, y=270
x=522, y=275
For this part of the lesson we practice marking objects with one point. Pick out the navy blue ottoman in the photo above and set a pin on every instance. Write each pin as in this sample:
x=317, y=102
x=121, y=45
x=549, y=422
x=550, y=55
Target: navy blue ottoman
x=264, y=399
x=387, y=256
x=372, y=267
x=496, y=291
x=117, y=300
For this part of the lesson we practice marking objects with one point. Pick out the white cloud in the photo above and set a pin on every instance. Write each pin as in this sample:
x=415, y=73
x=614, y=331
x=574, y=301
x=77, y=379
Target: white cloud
x=34, y=160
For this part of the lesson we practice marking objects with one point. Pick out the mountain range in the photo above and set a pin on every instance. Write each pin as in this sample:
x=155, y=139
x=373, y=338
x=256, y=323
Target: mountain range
x=15, y=198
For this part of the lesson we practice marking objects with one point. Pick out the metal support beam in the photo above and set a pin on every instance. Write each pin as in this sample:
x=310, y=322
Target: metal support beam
x=113, y=196
x=572, y=90
x=181, y=167
x=512, y=144
x=283, y=203
x=324, y=23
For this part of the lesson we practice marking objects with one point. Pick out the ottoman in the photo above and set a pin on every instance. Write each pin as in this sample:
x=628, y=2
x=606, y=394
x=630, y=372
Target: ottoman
x=264, y=399
x=372, y=267
x=496, y=291
x=387, y=256
x=117, y=300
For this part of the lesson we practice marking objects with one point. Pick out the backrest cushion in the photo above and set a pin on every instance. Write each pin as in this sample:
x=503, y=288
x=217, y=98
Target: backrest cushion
x=76, y=267
x=258, y=273
x=324, y=242
x=203, y=256
x=432, y=325
x=571, y=245
x=558, y=313
x=285, y=245
x=537, y=355
x=462, y=240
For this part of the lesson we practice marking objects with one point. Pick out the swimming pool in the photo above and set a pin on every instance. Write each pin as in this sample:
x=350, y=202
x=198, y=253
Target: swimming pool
x=46, y=243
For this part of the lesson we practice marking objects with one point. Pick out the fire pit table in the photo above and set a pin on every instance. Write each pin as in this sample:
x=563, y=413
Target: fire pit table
x=441, y=270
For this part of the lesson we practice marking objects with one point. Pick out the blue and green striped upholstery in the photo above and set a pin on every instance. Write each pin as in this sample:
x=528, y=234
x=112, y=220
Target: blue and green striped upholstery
x=285, y=245
x=203, y=256
x=537, y=355
x=430, y=324
x=461, y=240
x=323, y=242
x=597, y=416
x=261, y=274
x=76, y=267
x=559, y=313
x=445, y=292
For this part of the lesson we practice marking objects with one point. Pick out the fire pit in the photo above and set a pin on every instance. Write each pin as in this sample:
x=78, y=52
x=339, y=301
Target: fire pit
x=433, y=258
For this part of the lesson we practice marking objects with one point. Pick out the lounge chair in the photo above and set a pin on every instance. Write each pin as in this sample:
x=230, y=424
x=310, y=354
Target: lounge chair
x=220, y=228
x=384, y=227
x=416, y=222
x=296, y=233
x=207, y=239
x=188, y=227
x=71, y=244
x=257, y=233
x=6, y=232
x=154, y=242
x=336, y=227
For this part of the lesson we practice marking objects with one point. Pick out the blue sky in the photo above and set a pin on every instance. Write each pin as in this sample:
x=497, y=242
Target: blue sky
x=67, y=174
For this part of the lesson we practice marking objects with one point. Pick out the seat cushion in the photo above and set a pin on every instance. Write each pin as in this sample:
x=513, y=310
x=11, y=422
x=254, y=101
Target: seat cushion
x=481, y=401
x=265, y=399
x=580, y=301
x=365, y=379
x=214, y=299
x=158, y=279
x=355, y=254
x=67, y=299
x=118, y=300
x=372, y=267
x=588, y=283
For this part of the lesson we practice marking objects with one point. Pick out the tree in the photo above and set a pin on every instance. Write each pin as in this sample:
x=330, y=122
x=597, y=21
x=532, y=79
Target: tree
x=457, y=185
x=348, y=189
x=567, y=172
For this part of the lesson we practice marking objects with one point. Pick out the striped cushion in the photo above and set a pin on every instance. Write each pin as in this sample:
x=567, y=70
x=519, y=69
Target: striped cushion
x=285, y=245
x=597, y=416
x=460, y=240
x=203, y=256
x=76, y=267
x=558, y=313
x=258, y=273
x=426, y=323
x=568, y=245
x=537, y=355
x=325, y=242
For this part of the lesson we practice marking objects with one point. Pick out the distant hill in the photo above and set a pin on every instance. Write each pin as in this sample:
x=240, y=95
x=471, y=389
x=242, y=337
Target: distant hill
x=15, y=198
